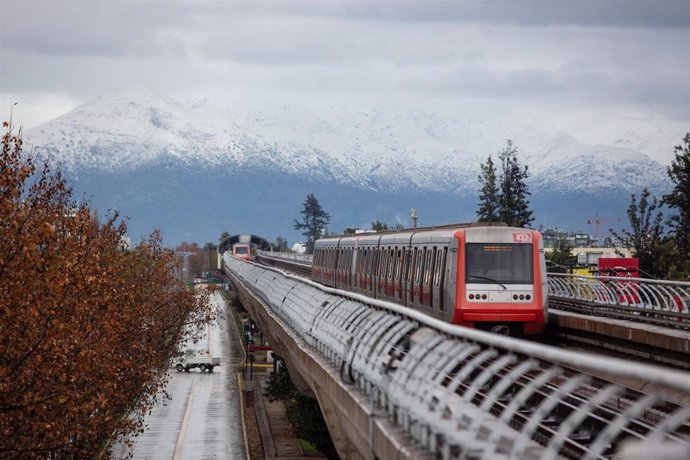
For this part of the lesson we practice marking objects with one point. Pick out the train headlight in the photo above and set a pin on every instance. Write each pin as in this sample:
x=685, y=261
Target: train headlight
x=484, y=296
x=471, y=296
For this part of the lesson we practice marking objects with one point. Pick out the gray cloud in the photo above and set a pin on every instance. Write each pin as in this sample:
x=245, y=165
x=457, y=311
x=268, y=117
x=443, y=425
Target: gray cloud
x=126, y=26
x=592, y=56
x=594, y=13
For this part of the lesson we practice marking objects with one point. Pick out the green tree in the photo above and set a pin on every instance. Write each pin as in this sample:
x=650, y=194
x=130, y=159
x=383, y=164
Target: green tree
x=488, y=194
x=562, y=254
x=379, y=226
x=679, y=198
x=314, y=221
x=513, y=203
x=645, y=235
x=281, y=244
x=224, y=235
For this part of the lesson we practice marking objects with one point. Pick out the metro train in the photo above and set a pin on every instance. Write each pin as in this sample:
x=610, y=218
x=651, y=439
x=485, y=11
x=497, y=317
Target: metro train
x=242, y=251
x=483, y=275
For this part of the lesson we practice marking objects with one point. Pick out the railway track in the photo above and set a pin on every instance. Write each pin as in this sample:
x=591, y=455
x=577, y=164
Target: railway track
x=301, y=268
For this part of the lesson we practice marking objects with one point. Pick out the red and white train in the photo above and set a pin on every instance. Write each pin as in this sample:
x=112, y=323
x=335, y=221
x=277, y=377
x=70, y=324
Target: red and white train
x=487, y=276
x=242, y=251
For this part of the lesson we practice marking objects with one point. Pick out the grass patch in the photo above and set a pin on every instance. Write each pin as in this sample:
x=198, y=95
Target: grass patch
x=307, y=447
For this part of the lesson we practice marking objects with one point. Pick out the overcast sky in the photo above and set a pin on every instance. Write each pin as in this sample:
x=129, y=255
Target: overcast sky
x=579, y=64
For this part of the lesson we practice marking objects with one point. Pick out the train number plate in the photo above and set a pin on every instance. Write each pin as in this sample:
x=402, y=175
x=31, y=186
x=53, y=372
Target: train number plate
x=522, y=237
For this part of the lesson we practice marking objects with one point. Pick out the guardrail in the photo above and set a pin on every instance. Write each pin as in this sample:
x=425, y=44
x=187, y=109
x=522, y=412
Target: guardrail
x=663, y=302
x=459, y=392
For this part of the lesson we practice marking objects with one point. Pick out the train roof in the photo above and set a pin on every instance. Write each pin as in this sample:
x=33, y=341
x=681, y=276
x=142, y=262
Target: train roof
x=419, y=229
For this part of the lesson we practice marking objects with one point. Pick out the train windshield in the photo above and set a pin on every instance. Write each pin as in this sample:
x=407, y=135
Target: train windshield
x=241, y=250
x=498, y=263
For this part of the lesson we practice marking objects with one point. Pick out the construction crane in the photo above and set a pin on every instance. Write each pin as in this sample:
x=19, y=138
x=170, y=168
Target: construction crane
x=597, y=221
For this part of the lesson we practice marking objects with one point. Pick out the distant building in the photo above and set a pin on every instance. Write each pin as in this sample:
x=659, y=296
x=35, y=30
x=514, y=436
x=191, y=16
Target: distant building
x=551, y=236
x=299, y=248
x=582, y=240
x=590, y=256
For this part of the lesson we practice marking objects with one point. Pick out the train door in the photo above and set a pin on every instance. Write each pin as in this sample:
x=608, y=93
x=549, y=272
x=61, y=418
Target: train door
x=398, y=278
x=361, y=269
x=417, y=280
x=331, y=266
x=390, y=271
x=371, y=270
x=405, y=275
x=383, y=264
x=437, y=279
x=349, y=253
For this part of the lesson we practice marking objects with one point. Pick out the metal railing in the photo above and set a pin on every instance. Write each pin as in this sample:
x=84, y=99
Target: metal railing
x=663, y=302
x=666, y=303
x=463, y=393
x=306, y=258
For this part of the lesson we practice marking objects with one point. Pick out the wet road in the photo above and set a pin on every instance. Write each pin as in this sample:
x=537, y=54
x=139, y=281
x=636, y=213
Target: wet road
x=202, y=420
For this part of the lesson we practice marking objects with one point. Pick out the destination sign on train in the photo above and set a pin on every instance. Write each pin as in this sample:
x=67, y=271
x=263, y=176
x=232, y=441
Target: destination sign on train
x=497, y=248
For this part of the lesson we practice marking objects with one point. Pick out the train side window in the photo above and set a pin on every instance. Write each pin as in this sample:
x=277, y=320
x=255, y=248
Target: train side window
x=399, y=262
x=438, y=268
x=410, y=268
x=391, y=263
x=372, y=262
x=379, y=257
x=427, y=266
x=384, y=263
x=418, y=266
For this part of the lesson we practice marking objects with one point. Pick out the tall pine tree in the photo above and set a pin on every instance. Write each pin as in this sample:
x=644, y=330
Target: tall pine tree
x=314, y=221
x=488, y=194
x=513, y=203
x=679, y=198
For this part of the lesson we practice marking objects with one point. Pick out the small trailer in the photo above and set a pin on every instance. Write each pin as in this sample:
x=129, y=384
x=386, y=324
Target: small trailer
x=190, y=361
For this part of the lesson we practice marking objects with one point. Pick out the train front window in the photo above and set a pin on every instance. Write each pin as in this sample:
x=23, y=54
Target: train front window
x=241, y=250
x=502, y=263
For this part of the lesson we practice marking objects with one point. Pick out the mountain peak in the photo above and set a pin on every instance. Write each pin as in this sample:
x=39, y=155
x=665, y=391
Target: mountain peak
x=371, y=147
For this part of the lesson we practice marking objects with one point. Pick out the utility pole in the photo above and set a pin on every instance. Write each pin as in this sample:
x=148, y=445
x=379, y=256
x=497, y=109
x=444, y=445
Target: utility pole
x=413, y=214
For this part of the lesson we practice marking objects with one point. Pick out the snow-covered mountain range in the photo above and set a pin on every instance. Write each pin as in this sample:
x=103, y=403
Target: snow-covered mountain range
x=370, y=149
